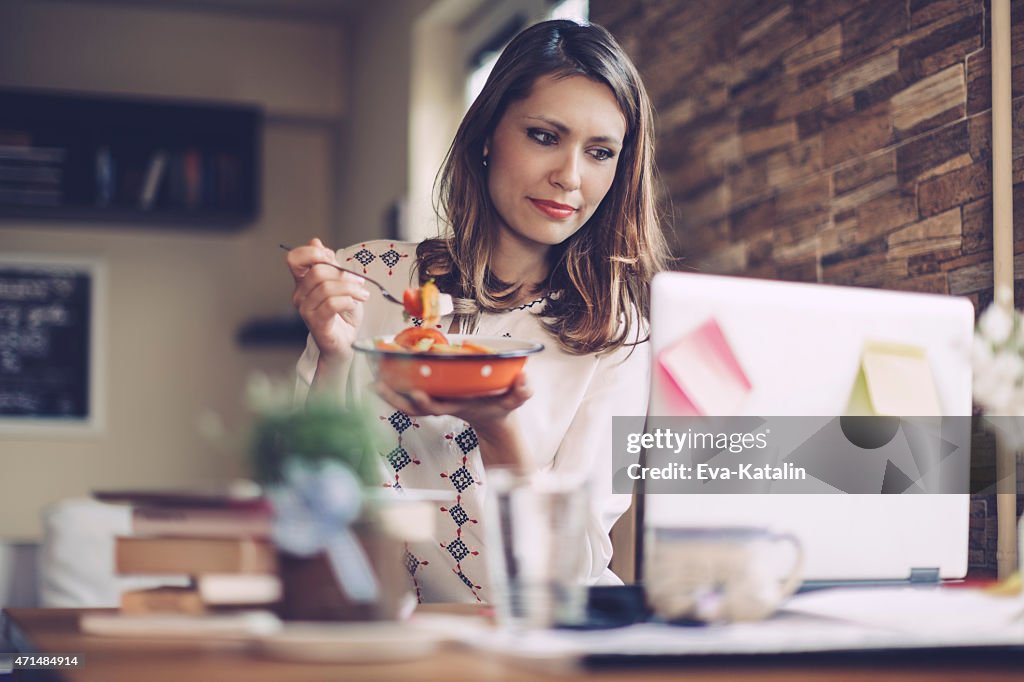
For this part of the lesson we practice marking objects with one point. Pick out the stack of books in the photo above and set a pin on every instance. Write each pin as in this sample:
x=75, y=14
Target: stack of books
x=221, y=544
x=30, y=175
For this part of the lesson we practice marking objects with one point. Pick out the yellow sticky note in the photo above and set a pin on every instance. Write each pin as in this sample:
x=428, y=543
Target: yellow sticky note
x=860, y=399
x=894, y=380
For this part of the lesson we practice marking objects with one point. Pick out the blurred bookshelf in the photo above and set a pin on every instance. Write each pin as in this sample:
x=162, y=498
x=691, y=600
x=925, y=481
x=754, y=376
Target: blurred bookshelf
x=116, y=159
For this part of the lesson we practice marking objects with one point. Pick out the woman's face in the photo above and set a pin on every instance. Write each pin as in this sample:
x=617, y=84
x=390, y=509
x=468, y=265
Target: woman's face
x=552, y=159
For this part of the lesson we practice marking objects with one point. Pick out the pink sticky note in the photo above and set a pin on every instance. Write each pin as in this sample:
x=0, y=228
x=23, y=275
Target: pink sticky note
x=709, y=378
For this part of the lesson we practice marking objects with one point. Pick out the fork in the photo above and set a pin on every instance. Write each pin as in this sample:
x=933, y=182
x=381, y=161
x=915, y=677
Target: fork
x=383, y=292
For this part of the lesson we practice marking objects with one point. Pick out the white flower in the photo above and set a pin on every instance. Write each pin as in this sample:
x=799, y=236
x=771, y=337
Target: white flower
x=1010, y=367
x=981, y=355
x=995, y=325
x=1016, y=407
x=997, y=360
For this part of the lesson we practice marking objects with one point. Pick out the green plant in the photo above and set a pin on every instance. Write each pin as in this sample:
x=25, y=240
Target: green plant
x=318, y=431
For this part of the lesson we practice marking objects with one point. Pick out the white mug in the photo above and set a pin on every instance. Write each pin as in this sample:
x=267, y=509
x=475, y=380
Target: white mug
x=720, y=574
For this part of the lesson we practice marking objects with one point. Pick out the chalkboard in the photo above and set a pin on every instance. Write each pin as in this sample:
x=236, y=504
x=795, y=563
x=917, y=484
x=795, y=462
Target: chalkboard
x=48, y=341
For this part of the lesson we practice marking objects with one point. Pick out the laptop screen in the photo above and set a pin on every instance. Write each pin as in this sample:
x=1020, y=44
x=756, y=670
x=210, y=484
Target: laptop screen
x=728, y=346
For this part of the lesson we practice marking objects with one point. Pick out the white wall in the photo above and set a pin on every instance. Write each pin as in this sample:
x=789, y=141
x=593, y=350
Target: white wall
x=291, y=68
x=436, y=106
x=374, y=158
x=175, y=296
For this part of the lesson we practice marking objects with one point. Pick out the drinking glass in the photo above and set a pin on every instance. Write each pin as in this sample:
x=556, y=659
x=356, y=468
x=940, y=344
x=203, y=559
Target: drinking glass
x=536, y=542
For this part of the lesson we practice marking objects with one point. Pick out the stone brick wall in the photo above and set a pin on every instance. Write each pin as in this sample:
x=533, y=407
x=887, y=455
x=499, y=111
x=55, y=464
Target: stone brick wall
x=838, y=141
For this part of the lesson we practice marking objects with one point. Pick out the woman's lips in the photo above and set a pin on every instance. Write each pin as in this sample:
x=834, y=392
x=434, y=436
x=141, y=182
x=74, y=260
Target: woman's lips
x=553, y=209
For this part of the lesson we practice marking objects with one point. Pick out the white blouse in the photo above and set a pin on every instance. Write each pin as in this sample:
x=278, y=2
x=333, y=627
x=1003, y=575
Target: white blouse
x=568, y=430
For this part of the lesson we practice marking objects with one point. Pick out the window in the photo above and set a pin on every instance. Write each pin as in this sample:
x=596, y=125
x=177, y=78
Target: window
x=577, y=10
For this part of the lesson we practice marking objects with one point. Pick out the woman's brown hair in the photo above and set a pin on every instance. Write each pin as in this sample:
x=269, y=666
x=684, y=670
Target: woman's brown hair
x=599, y=277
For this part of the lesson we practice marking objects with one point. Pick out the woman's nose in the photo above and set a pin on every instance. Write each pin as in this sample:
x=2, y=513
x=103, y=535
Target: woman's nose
x=566, y=175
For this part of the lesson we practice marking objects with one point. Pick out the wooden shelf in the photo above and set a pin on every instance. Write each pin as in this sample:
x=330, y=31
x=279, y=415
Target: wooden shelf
x=95, y=158
x=283, y=331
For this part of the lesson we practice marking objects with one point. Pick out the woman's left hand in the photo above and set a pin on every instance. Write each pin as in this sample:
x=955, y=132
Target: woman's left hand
x=480, y=413
x=492, y=418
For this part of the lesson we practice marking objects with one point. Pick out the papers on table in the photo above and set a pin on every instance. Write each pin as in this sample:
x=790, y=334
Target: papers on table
x=916, y=610
x=837, y=620
x=894, y=380
x=242, y=625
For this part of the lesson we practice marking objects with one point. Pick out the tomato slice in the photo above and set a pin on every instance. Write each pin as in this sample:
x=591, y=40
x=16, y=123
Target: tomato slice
x=413, y=302
x=424, y=302
x=411, y=337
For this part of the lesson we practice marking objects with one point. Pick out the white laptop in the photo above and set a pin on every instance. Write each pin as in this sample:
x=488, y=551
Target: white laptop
x=799, y=350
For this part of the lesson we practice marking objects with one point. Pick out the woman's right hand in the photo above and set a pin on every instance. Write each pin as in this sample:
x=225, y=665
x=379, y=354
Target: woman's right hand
x=329, y=301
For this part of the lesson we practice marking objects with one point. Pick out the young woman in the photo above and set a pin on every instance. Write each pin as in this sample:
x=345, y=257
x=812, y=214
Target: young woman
x=552, y=236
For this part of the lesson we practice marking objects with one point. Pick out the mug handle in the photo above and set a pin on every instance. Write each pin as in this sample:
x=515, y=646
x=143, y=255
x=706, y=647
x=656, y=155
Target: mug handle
x=792, y=581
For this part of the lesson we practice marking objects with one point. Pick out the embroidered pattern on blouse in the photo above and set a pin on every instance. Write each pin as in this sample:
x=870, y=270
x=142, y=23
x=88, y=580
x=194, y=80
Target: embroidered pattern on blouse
x=400, y=421
x=389, y=257
x=399, y=457
x=458, y=515
x=417, y=322
x=412, y=564
x=468, y=583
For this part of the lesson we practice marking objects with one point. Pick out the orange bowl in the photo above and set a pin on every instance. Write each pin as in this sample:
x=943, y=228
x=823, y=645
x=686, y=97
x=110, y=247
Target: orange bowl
x=451, y=376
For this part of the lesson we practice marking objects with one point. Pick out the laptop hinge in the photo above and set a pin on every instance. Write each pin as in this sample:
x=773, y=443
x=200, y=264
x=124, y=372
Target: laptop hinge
x=924, y=575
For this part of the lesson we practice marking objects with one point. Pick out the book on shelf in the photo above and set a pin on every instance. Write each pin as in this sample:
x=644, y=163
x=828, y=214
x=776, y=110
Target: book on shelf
x=213, y=497
x=151, y=183
x=192, y=167
x=31, y=176
x=163, y=600
x=236, y=589
x=106, y=181
x=193, y=556
x=31, y=154
x=201, y=522
x=207, y=593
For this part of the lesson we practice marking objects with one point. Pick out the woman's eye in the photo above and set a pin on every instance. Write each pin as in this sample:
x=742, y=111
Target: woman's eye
x=541, y=136
x=602, y=154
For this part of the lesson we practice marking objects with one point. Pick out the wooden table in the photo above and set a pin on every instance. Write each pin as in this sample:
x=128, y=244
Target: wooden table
x=109, y=659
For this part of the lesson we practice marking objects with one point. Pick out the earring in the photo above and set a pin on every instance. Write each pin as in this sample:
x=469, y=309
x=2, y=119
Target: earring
x=485, y=162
